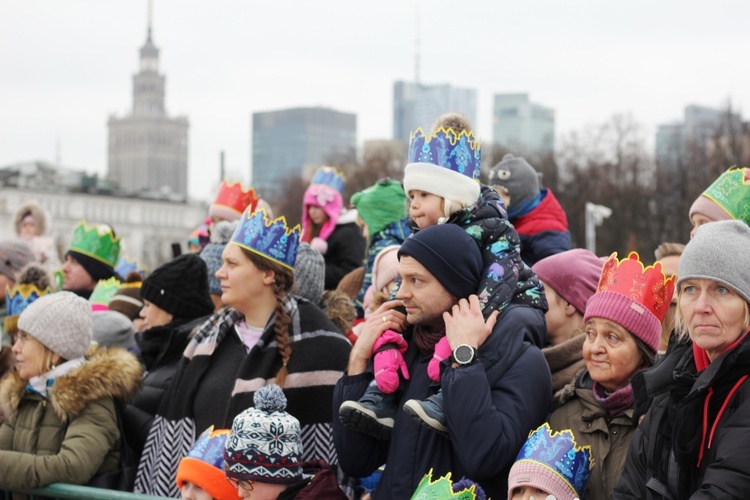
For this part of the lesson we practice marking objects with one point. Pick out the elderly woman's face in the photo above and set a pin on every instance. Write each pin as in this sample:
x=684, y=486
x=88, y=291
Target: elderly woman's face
x=713, y=313
x=611, y=354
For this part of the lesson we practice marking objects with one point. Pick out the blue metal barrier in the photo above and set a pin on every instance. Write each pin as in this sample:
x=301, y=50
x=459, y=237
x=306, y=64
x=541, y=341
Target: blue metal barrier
x=71, y=491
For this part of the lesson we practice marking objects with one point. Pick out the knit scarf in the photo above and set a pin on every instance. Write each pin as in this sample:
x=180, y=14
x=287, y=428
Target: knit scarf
x=41, y=384
x=427, y=337
x=615, y=402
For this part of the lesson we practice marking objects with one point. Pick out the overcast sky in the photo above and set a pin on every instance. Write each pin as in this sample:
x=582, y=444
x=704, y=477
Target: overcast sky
x=65, y=66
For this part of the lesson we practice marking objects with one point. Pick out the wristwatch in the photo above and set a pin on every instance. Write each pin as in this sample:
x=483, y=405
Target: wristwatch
x=464, y=354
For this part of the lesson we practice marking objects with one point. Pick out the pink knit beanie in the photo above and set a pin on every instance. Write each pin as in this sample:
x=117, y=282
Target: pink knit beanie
x=573, y=274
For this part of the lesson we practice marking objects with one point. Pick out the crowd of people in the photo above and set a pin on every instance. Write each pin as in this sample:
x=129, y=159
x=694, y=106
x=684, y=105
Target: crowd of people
x=430, y=337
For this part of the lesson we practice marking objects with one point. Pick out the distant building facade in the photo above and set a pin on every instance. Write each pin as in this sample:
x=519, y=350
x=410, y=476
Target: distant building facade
x=148, y=225
x=522, y=126
x=148, y=150
x=286, y=140
x=700, y=126
x=418, y=105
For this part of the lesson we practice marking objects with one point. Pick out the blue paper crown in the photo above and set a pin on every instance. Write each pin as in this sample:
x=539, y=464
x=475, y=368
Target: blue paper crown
x=459, y=152
x=18, y=298
x=209, y=447
x=271, y=239
x=559, y=452
x=329, y=176
x=126, y=266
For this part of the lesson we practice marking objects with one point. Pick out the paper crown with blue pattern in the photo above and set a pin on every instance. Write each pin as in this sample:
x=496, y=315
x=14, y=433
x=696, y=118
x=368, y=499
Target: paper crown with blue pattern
x=268, y=238
x=329, y=176
x=126, y=266
x=444, y=163
x=204, y=465
x=554, y=462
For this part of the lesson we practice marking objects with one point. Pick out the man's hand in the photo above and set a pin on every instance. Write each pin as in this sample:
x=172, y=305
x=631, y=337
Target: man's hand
x=464, y=324
x=385, y=317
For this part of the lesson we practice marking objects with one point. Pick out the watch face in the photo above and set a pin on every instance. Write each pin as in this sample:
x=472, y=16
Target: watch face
x=463, y=354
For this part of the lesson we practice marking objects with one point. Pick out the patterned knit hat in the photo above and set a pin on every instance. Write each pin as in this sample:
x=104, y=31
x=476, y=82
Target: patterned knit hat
x=204, y=465
x=445, y=163
x=727, y=198
x=381, y=204
x=265, y=443
x=520, y=179
x=180, y=287
x=61, y=322
x=633, y=296
x=13, y=256
x=127, y=300
x=553, y=462
x=309, y=273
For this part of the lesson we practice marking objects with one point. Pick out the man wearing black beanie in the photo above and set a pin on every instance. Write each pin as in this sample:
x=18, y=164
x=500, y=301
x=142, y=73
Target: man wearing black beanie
x=496, y=385
x=92, y=257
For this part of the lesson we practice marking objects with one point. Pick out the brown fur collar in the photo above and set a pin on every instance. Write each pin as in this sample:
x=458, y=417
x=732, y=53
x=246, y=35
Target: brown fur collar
x=107, y=372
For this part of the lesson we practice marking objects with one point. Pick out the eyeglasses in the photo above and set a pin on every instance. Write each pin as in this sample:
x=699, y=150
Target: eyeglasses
x=21, y=337
x=245, y=484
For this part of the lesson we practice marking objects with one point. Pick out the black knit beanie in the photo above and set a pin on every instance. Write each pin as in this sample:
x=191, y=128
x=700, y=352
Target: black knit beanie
x=180, y=287
x=450, y=254
x=97, y=269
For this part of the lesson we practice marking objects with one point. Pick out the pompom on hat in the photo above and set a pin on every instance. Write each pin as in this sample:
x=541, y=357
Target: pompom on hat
x=445, y=163
x=204, y=465
x=553, y=462
x=61, y=322
x=633, y=296
x=265, y=443
x=14, y=255
x=728, y=197
x=33, y=282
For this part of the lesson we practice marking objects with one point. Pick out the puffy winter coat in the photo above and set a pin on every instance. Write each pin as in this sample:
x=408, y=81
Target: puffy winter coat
x=674, y=453
x=72, y=434
x=544, y=230
x=346, y=250
x=490, y=407
x=609, y=438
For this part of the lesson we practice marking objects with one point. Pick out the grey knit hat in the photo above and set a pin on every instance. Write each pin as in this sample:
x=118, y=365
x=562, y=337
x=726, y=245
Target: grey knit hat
x=518, y=177
x=211, y=254
x=13, y=256
x=111, y=328
x=309, y=273
x=718, y=252
x=61, y=322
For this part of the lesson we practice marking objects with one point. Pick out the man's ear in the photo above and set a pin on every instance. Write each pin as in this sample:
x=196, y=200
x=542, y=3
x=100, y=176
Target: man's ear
x=269, y=277
x=569, y=309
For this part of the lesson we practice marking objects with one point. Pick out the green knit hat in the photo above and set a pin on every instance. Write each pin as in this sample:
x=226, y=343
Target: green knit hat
x=381, y=204
x=731, y=191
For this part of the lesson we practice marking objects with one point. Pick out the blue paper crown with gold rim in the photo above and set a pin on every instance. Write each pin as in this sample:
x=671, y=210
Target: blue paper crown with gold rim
x=559, y=452
x=268, y=238
x=459, y=152
x=18, y=298
x=329, y=176
x=96, y=241
x=126, y=266
x=209, y=447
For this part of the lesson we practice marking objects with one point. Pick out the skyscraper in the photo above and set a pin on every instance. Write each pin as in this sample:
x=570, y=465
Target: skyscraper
x=417, y=105
x=522, y=126
x=148, y=150
x=286, y=140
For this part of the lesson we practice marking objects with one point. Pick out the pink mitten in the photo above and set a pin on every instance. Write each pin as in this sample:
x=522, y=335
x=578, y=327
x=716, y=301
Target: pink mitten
x=320, y=245
x=389, y=360
x=442, y=351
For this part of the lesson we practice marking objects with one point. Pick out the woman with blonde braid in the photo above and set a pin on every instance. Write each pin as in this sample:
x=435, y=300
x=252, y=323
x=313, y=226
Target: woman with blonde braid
x=263, y=336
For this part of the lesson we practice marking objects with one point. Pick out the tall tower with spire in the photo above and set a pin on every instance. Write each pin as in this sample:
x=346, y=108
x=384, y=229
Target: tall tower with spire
x=148, y=150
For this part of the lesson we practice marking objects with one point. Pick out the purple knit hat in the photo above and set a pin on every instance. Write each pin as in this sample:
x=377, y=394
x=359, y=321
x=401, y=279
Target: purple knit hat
x=573, y=274
x=633, y=296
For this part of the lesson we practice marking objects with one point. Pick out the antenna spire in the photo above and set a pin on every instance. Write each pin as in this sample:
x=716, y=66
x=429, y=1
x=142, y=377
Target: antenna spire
x=150, y=17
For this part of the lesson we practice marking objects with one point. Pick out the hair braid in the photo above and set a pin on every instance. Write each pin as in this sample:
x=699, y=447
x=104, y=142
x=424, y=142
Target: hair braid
x=281, y=329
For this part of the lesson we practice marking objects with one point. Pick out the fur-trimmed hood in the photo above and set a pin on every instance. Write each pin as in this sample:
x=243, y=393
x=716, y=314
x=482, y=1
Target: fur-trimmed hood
x=35, y=210
x=107, y=372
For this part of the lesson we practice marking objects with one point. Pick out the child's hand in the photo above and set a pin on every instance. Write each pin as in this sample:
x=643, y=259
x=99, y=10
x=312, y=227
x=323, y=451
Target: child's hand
x=385, y=317
x=464, y=324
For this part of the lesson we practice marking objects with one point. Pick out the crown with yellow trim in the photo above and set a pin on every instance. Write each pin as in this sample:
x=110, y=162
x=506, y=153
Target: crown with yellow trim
x=103, y=293
x=126, y=266
x=731, y=191
x=444, y=489
x=232, y=201
x=559, y=454
x=271, y=239
x=96, y=241
x=329, y=176
x=17, y=299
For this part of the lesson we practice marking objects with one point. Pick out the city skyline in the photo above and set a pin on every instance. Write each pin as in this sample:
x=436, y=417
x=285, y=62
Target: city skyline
x=63, y=75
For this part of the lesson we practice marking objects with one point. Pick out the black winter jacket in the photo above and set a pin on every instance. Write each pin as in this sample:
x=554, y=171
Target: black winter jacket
x=346, y=251
x=664, y=460
x=161, y=349
x=490, y=408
